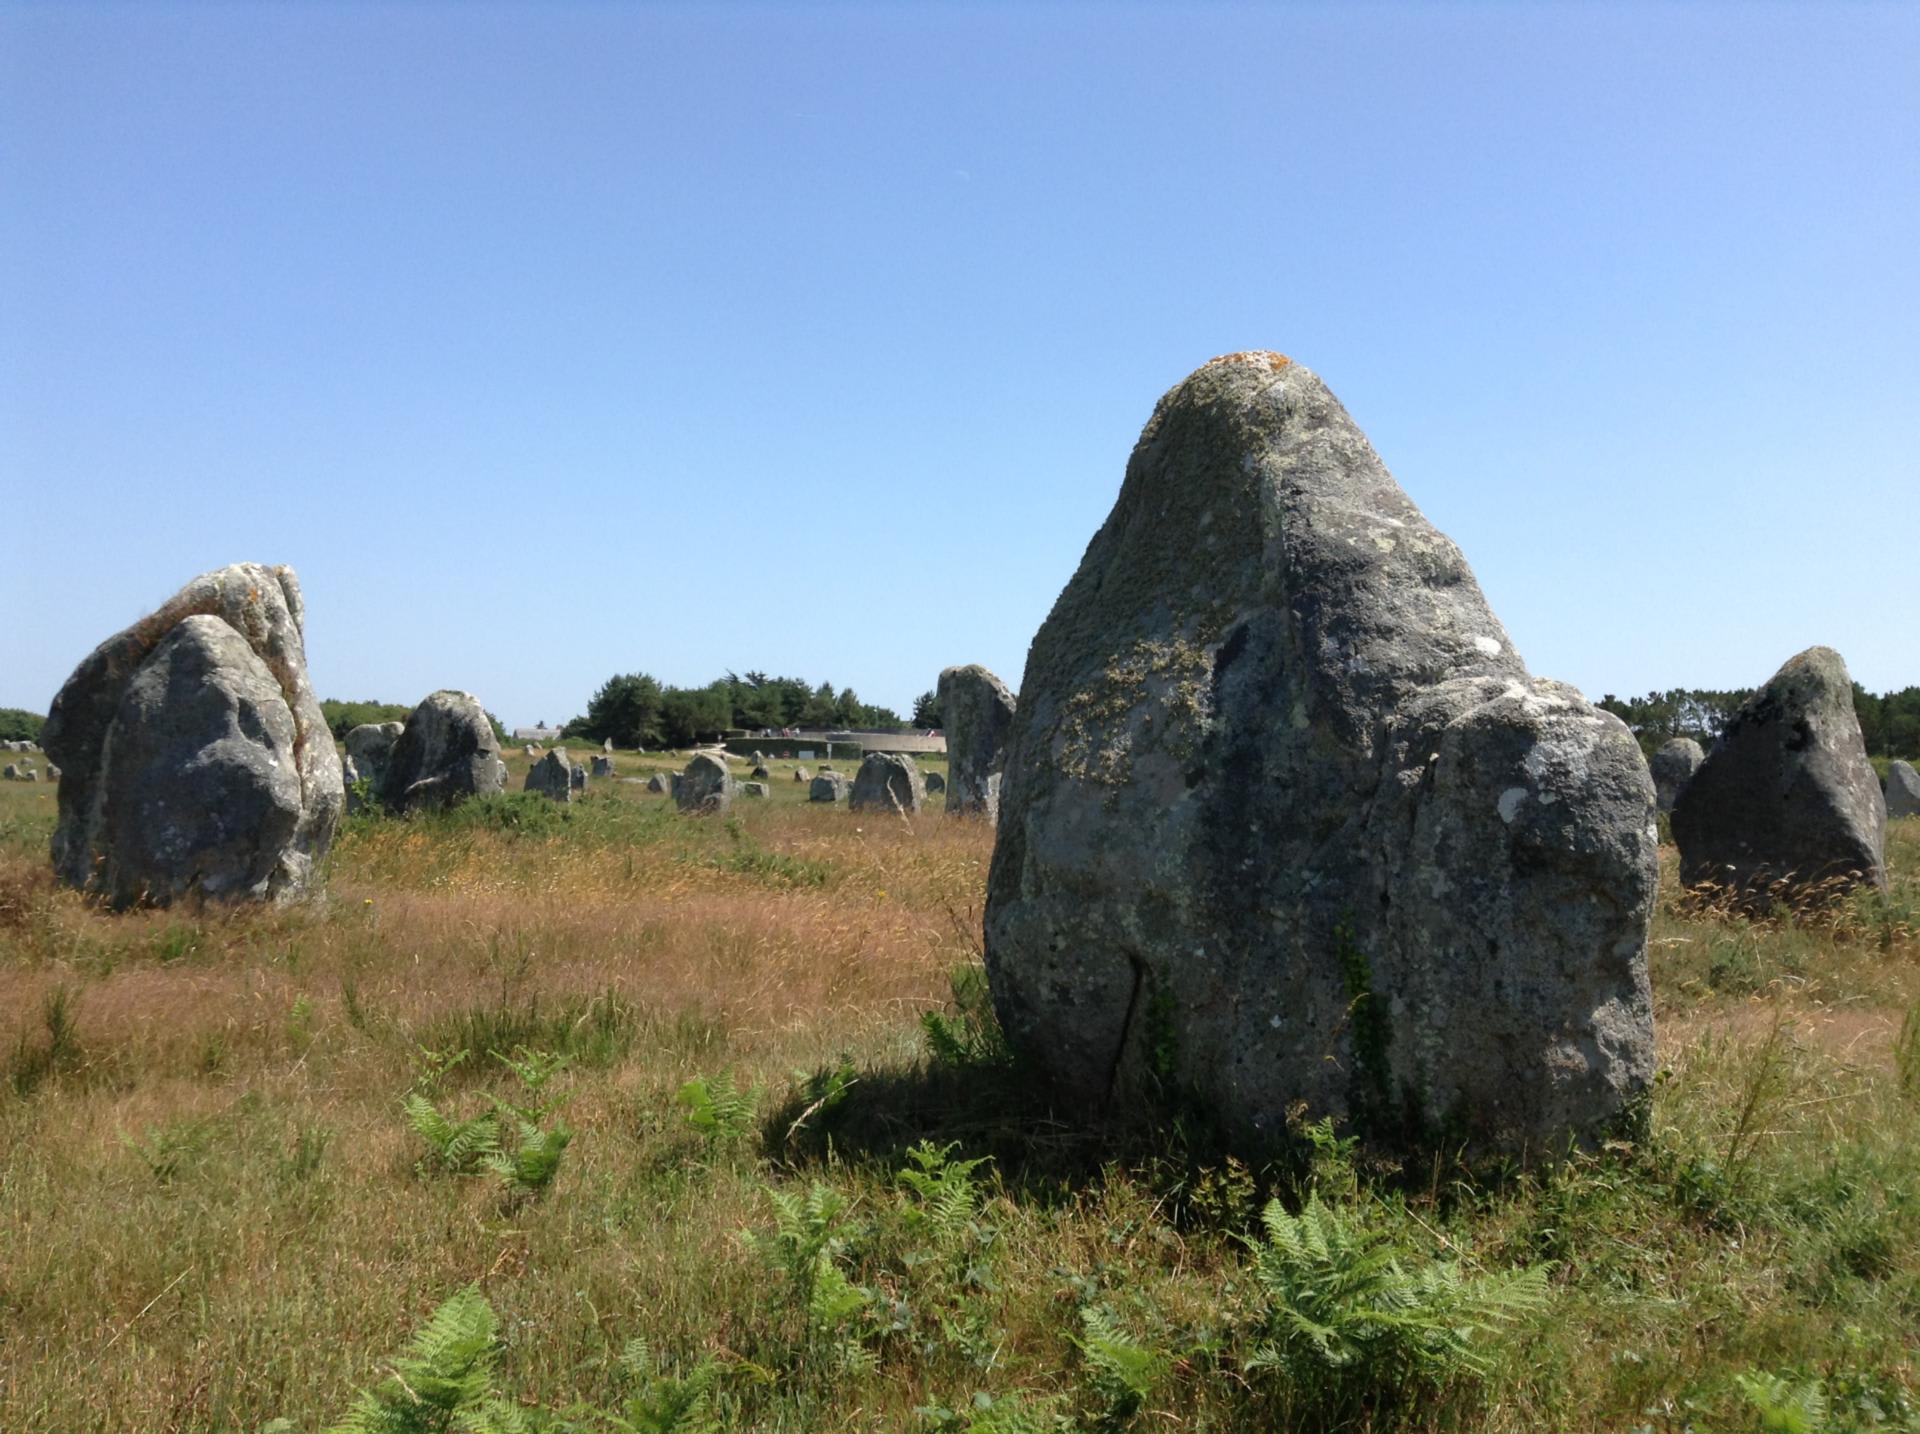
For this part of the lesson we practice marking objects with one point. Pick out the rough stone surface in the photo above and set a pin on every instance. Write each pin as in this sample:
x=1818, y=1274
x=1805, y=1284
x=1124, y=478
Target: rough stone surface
x=368, y=747
x=445, y=754
x=938, y=783
x=53, y=773
x=1286, y=823
x=529, y=750
x=1673, y=767
x=13, y=772
x=800, y=774
x=755, y=789
x=552, y=775
x=976, y=714
x=888, y=781
x=578, y=777
x=827, y=787
x=194, y=754
x=658, y=783
x=761, y=771
x=603, y=766
x=1902, y=789
x=1786, y=804
x=706, y=785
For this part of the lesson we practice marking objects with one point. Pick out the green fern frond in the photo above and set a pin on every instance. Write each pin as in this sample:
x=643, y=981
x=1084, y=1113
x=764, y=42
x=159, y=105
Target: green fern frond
x=444, y=1379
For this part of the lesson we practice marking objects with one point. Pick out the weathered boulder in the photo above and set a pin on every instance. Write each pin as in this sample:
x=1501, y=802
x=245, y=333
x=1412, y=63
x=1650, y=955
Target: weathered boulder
x=529, y=750
x=761, y=771
x=755, y=789
x=32, y=774
x=368, y=747
x=938, y=783
x=53, y=773
x=607, y=746
x=552, y=776
x=976, y=714
x=193, y=752
x=445, y=754
x=1285, y=822
x=706, y=785
x=889, y=782
x=1673, y=767
x=578, y=777
x=659, y=783
x=12, y=773
x=1786, y=807
x=827, y=787
x=800, y=774
x=603, y=767
x=1902, y=789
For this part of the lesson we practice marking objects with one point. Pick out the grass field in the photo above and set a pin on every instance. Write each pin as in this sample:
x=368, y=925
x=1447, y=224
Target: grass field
x=215, y=1211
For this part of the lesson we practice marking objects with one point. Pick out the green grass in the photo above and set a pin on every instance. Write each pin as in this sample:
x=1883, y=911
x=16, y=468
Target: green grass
x=815, y=1208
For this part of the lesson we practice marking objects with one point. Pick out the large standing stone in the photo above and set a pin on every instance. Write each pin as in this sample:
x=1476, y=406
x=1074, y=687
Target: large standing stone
x=827, y=787
x=446, y=753
x=1786, y=806
x=706, y=785
x=368, y=747
x=1286, y=823
x=1902, y=789
x=552, y=775
x=888, y=782
x=1673, y=767
x=194, y=755
x=976, y=714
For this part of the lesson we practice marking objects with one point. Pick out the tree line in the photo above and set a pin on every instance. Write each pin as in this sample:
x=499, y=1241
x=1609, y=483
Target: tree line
x=1889, y=724
x=635, y=709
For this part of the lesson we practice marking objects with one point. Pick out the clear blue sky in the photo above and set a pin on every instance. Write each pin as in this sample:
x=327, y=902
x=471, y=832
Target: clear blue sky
x=549, y=342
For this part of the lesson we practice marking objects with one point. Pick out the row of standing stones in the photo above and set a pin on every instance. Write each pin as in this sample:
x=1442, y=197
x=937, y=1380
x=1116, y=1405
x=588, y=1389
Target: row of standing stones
x=1283, y=821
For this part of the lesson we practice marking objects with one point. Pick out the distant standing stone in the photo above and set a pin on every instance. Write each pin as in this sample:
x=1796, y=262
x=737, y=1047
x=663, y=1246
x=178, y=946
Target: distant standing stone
x=445, y=754
x=368, y=747
x=194, y=753
x=705, y=785
x=761, y=772
x=800, y=774
x=755, y=789
x=53, y=772
x=1902, y=790
x=603, y=766
x=977, y=714
x=529, y=750
x=888, y=781
x=607, y=746
x=658, y=783
x=827, y=787
x=1786, y=805
x=1673, y=767
x=13, y=772
x=935, y=783
x=552, y=775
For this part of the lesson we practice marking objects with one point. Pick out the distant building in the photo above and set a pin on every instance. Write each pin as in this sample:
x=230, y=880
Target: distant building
x=535, y=734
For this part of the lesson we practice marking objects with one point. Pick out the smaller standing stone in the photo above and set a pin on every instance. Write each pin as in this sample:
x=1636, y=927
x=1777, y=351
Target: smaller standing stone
x=1903, y=790
x=658, y=783
x=800, y=775
x=53, y=772
x=529, y=750
x=552, y=776
x=977, y=714
x=607, y=746
x=829, y=786
x=579, y=778
x=761, y=772
x=889, y=781
x=1673, y=767
x=603, y=766
x=755, y=789
x=935, y=783
x=12, y=774
x=706, y=785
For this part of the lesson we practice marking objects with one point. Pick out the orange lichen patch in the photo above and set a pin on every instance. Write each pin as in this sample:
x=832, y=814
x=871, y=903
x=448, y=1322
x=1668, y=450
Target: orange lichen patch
x=1272, y=360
